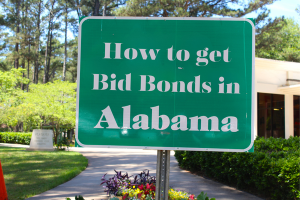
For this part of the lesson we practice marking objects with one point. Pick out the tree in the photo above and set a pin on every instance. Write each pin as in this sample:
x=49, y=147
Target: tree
x=193, y=8
x=279, y=39
x=72, y=62
x=54, y=105
x=67, y=7
x=97, y=7
x=51, y=104
x=35, y=76
x=11, y=97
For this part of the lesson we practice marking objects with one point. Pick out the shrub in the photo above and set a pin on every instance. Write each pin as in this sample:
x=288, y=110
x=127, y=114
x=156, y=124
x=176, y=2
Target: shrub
x=15, y=137
x=273, y=169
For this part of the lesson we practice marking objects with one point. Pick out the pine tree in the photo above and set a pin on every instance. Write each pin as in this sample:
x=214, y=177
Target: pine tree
x=53, y=13
x=97, y=7
x=67, y=6
x=39, y=9
x=193, y=8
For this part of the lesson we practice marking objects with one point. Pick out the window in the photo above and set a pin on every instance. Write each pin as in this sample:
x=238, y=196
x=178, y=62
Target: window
x=296, y=116
x=270, y=115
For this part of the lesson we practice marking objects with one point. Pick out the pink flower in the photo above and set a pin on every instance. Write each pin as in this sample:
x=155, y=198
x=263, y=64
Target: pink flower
x=192, y=197
x=147, y=186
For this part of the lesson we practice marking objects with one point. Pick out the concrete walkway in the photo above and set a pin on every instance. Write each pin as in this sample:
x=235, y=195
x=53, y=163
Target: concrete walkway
x=103, y=161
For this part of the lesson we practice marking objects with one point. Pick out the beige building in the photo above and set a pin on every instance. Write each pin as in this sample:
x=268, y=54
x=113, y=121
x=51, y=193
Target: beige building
x=277, y=85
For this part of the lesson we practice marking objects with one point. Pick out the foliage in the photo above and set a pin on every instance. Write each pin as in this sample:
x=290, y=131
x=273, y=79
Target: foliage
x=203, y=196
x=279, y=39
x=17, y=138
x=76, y=198
x=31, y=33
x=191, y=8
x=144, y=178
x=63, y=142
x=113, y=183
x=273, y=169
x=11, y=96
x=79, y=197
x=8, y=82
x=57, y=105
x=51, y=104
x=28, y=173
x=98, y=8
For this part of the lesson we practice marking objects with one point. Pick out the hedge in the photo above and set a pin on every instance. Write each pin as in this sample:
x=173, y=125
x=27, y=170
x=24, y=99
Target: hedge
x=15, y=137
x=273, y=169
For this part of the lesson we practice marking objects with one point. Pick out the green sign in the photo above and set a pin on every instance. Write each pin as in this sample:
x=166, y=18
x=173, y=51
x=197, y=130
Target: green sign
x=166, y=83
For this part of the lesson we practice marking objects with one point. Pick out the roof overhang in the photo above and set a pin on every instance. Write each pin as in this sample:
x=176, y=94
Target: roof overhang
x=277, y=65
x=291, y=89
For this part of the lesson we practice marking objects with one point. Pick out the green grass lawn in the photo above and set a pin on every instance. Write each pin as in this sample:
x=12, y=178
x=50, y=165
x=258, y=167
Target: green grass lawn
x=28, y=173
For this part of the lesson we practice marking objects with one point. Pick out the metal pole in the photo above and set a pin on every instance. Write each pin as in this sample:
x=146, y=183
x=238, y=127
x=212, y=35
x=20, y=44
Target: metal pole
x=162, y=174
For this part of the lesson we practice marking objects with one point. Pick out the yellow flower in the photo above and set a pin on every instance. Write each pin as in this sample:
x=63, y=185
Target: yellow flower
x=133, y=186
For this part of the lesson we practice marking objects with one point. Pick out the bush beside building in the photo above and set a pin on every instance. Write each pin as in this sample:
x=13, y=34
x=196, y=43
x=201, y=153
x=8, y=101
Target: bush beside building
x=273, y=169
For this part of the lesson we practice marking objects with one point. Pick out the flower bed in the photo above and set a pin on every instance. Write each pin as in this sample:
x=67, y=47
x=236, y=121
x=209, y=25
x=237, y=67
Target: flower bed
x=141, y=186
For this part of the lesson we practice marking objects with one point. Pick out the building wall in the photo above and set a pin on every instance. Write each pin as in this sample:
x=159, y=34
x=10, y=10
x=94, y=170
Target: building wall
x=269, y=79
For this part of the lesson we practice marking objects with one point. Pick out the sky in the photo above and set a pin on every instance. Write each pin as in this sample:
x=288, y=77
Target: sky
x=284, y=8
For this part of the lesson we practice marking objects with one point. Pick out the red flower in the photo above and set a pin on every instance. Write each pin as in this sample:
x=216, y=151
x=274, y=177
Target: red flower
x=152, y=187
x=141, y=187
x=125, y=196
x=147, y=186
x=139, y=195
x=192, y=197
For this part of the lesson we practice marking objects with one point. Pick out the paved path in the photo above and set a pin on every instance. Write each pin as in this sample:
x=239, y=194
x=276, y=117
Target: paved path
x=103, y=161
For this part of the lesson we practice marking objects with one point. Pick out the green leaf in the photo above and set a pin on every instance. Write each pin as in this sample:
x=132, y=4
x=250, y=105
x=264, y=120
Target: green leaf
x=202, y=196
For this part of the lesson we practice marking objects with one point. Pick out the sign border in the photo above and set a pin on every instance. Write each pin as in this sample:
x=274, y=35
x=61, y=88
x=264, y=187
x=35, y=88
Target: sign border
x=169, y=148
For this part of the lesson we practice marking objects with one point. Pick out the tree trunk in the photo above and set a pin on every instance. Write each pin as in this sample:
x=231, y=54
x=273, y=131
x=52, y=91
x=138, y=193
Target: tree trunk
x=78, y=9
x=36, y=65
x=165, y=13
x=23, y=45
x=104, y=8
x=45, y=78
x=16, y=63
x=56, y=133
x=65, y=55
x=50, y=54
x=96, y=8
x=28, y=67
x=23, y=66
x=29, y=44
x=28, y=61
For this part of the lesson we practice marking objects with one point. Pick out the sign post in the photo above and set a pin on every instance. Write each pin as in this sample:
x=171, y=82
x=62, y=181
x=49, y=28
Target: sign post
x=162, y=174
x=166, y=84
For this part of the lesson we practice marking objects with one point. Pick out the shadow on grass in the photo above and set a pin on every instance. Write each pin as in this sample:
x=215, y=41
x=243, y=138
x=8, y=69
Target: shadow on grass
x=28, y=173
